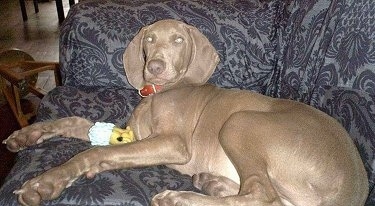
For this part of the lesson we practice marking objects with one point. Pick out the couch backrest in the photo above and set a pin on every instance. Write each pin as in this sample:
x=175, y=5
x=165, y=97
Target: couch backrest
x=95, y=34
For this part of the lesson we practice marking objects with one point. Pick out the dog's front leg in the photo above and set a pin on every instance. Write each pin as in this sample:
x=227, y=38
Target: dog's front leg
x=159, y=150
x=36, y=133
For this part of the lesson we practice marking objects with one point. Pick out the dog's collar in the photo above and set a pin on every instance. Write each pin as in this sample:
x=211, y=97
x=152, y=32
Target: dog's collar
x=148, y=90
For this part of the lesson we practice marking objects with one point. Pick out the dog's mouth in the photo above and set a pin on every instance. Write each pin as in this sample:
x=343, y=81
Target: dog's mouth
x=158, y=72
x=157, y=81
x=165, y=79
x=155, y=85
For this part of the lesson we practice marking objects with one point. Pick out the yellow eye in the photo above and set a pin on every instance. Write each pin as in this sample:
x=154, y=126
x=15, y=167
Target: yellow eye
x=179, y=40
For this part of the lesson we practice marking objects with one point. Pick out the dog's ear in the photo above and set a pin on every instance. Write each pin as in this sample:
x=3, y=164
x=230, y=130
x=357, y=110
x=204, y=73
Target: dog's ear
x=204, y=58
x=134, y=61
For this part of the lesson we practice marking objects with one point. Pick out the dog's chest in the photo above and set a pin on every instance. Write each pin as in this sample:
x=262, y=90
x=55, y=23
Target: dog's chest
x=189, y=113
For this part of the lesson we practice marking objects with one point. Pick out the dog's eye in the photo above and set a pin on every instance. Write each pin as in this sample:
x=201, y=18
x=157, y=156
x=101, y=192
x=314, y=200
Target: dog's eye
x=149, y=39
x=179, y=40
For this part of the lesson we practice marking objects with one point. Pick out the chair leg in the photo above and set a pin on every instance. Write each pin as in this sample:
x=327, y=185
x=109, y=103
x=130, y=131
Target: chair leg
x=71, y=2
x=23, y=10
x=36, y=7
x=60, y=10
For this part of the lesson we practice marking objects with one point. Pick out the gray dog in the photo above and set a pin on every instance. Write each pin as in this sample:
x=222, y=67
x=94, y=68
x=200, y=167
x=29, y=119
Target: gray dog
x=241, y=148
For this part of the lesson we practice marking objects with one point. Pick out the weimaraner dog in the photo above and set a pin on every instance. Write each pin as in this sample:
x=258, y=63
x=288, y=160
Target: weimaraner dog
x=242, y=148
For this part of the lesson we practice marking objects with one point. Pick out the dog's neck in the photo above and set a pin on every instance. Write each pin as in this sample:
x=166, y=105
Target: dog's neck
x=149, y=89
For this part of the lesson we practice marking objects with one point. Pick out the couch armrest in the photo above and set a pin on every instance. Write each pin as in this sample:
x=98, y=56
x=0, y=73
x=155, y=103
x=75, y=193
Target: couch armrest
x=106, y=104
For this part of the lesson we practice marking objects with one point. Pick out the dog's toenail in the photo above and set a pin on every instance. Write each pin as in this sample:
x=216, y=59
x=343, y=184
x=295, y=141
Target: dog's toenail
x=18, y=192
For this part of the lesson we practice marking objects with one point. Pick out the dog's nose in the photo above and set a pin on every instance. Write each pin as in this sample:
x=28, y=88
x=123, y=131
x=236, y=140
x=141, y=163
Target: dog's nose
x=156, y=66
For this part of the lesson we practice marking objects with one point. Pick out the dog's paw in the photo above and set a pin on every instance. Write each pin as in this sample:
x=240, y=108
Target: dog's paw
x=36, y=133
x=47, y=186
x=28, y=136
x=218, y=186
x=168, y=198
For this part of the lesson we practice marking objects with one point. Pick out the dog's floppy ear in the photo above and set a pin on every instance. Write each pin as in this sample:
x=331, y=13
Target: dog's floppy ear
x=134, y=62
x=204, y=58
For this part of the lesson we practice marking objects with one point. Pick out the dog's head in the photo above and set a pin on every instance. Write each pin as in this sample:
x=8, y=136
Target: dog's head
x=167, y=53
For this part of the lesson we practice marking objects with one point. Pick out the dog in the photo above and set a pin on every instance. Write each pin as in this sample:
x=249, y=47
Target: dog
x=241, y=147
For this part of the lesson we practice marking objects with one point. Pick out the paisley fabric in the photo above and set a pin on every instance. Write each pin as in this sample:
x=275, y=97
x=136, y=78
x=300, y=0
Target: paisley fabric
x=320, y=52
x=98, y=104
x=242, y=33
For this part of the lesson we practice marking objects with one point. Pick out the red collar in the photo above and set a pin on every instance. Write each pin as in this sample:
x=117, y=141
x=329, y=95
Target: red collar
x=148, y=90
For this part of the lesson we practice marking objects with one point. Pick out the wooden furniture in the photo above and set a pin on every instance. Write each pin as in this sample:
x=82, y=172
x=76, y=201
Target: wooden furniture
x=18, y=78
x=59, y=7
x=23, y=8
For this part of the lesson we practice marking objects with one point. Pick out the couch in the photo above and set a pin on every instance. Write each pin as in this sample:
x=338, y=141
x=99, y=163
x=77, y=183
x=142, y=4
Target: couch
x=319, y=52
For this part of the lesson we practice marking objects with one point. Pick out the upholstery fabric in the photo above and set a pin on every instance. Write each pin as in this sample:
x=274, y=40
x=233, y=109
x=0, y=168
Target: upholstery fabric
x=98, y=104
x=320, y=52
x=243, y=35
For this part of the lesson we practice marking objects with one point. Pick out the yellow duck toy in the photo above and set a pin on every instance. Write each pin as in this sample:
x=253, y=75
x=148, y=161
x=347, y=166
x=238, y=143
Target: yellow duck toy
x=121, y=136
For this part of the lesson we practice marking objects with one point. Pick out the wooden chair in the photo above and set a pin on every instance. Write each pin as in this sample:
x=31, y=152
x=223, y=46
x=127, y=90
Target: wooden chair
x=59, y=7
x=23, y=8
x=19, y=73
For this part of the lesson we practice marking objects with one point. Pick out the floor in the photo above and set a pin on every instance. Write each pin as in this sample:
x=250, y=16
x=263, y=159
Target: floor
x=38, y=37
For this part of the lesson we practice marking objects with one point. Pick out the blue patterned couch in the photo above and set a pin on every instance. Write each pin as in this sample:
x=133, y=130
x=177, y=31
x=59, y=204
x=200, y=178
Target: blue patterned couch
x=320, y=52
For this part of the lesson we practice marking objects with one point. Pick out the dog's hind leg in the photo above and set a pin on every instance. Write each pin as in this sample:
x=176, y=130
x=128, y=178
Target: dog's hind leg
x=242, y=138
x=184, y=198
x=256, y=188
